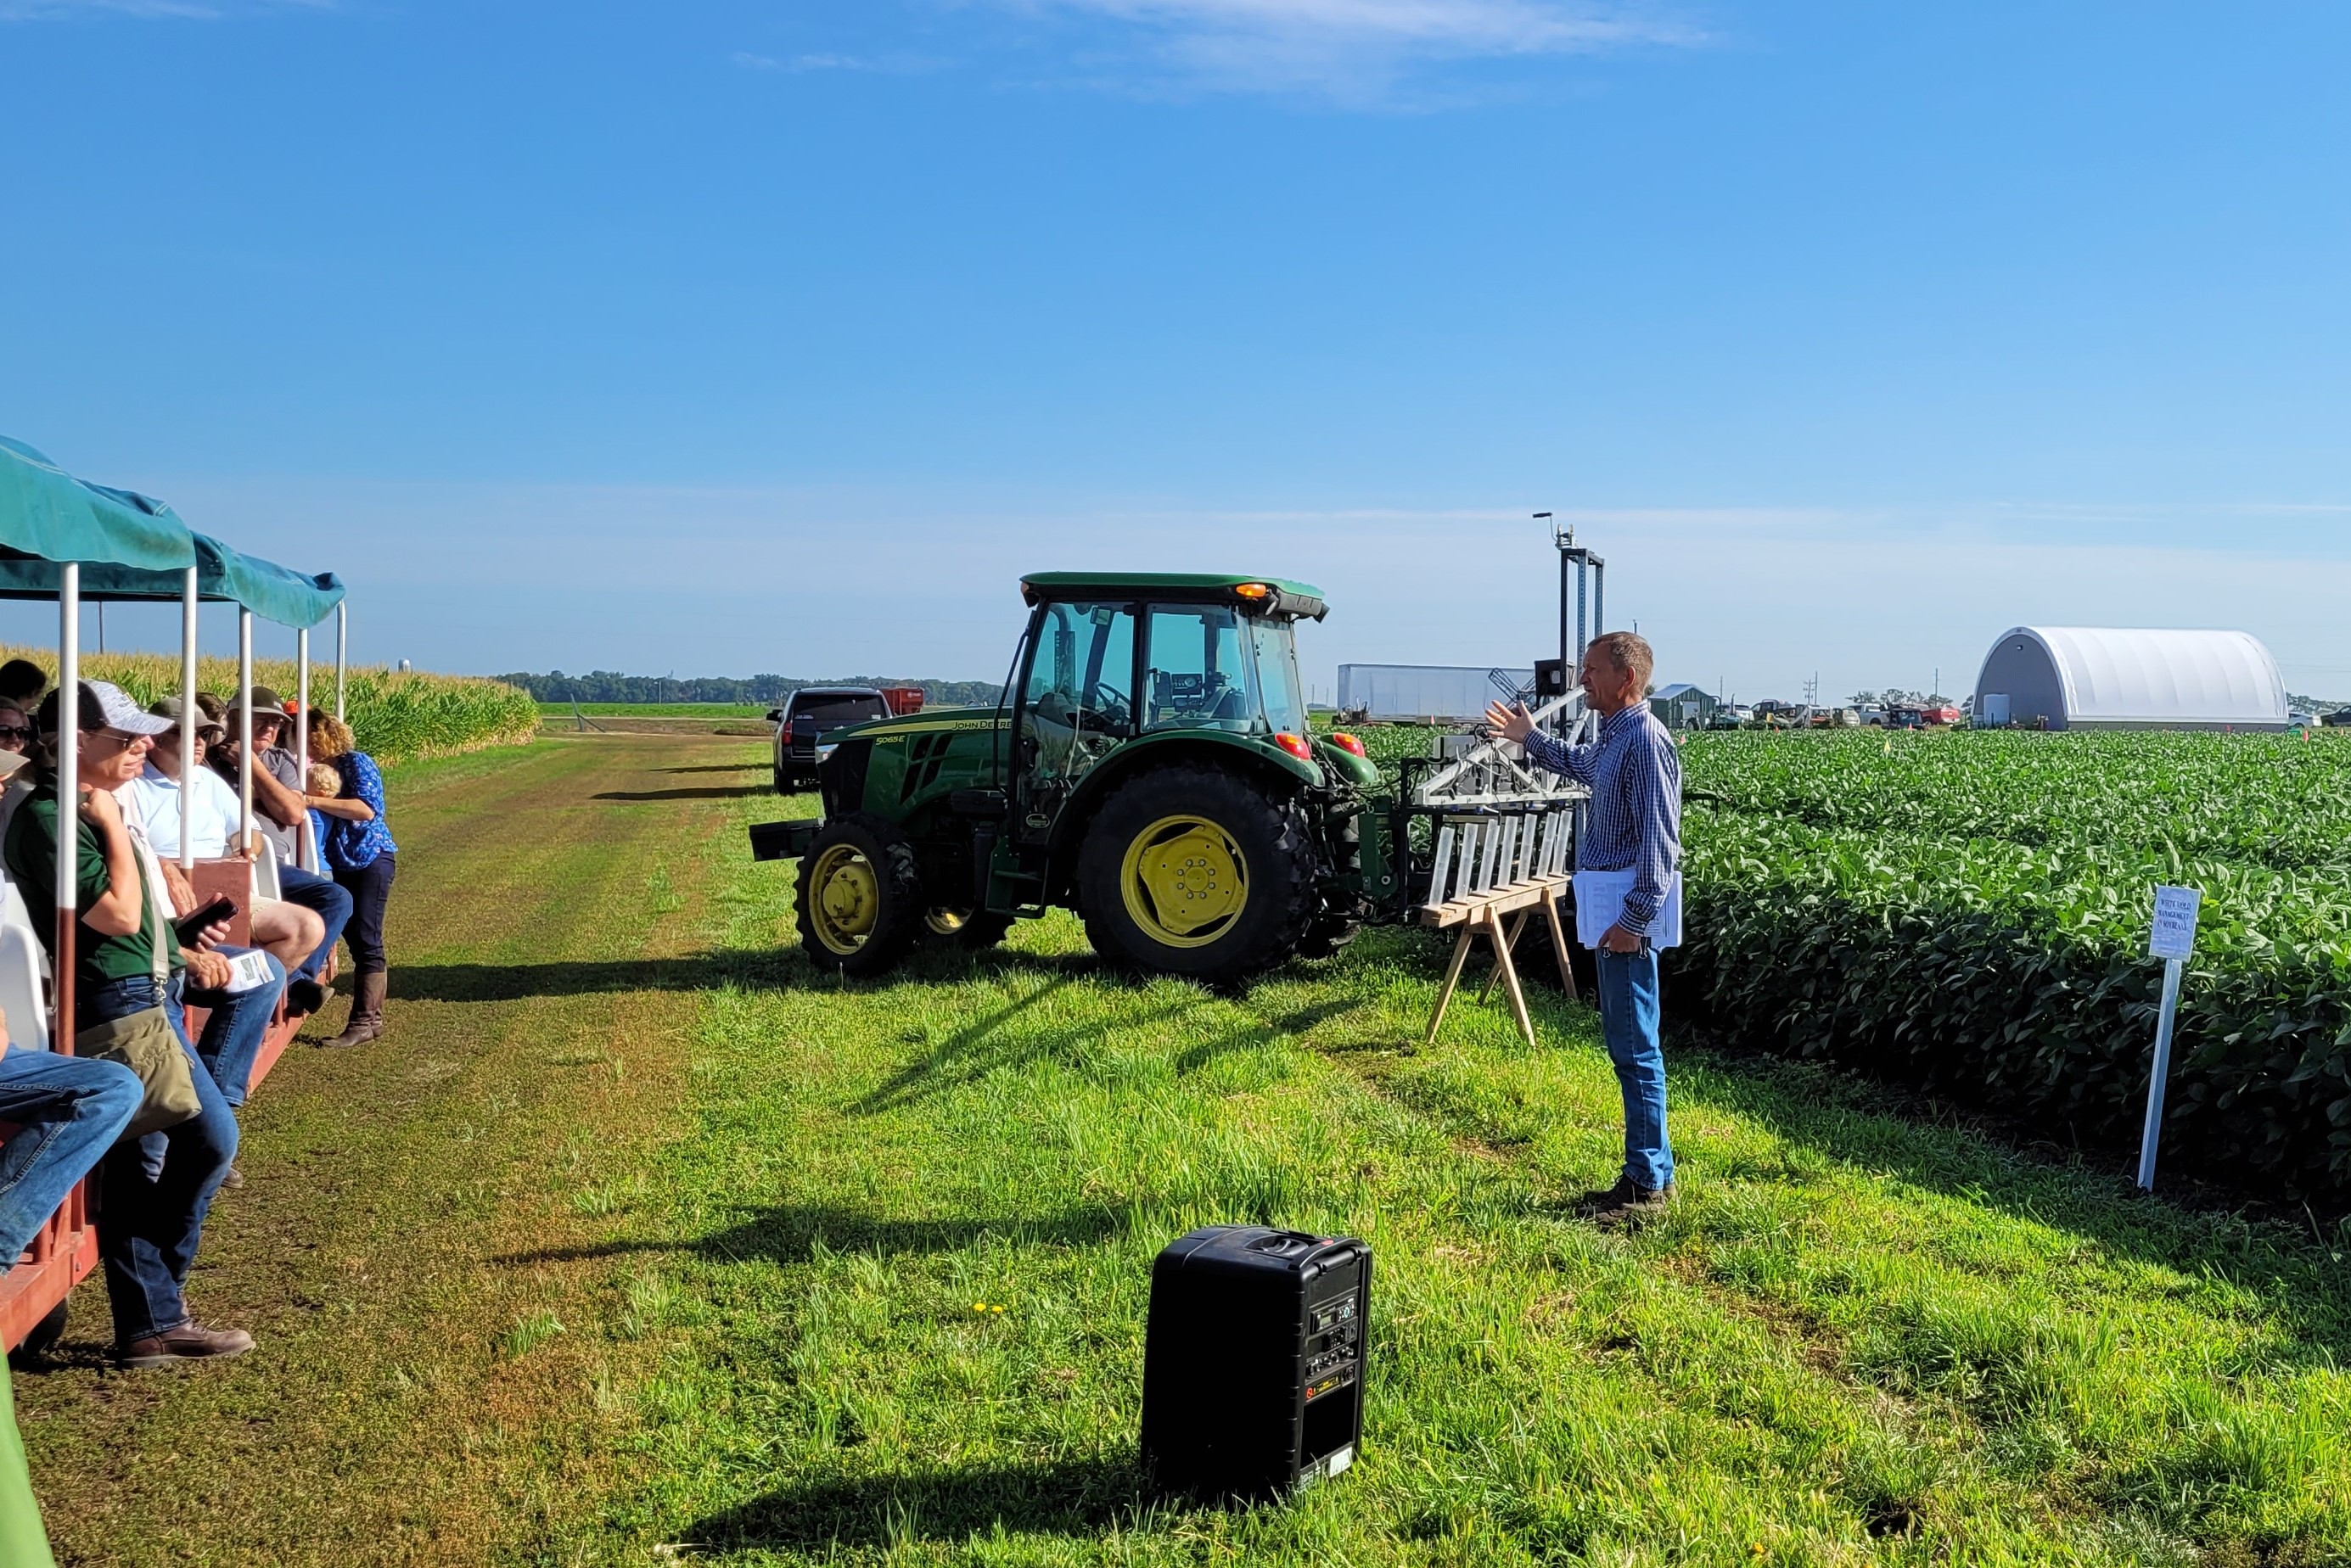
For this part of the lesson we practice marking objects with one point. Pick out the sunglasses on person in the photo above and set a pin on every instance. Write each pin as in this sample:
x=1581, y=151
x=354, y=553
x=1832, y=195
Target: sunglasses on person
x=15, y=731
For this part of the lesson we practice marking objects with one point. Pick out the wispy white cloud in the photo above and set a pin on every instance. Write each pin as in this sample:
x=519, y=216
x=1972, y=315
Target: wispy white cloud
x=796, y=63
x=1358, y=51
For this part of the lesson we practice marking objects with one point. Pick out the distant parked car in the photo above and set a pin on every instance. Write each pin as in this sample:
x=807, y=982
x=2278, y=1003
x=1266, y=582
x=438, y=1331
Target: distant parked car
x=2299, y=721
x=2338, y=720
x=807, y=714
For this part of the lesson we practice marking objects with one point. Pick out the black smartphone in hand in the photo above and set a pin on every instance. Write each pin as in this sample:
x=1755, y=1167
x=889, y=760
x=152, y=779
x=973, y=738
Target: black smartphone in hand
x=190, y=927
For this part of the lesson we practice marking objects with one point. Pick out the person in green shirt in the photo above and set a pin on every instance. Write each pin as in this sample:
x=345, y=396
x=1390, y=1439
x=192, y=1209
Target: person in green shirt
x=153, y=1194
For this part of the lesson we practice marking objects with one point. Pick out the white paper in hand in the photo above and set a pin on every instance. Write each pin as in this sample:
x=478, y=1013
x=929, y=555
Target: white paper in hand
x=247, y=972
x=1600, y=899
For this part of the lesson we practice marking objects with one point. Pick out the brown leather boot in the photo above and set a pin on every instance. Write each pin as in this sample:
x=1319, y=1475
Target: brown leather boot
x=366, y=1022
x=189, y=1342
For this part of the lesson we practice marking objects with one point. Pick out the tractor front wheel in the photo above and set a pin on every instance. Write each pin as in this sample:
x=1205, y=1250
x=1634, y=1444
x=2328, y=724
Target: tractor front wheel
x=860, y=899
x=1195, y=871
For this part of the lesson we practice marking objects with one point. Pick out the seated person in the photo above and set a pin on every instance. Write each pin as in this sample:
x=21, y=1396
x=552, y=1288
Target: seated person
x=68, y=1111
x=281, y=927
x=155, y=1192
x=278, y=810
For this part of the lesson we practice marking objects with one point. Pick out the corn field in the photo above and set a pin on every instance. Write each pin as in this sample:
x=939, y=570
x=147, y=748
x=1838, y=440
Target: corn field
x=395, y=716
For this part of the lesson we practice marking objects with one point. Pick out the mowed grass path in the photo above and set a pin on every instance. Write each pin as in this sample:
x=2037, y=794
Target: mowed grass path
x=647, y=1243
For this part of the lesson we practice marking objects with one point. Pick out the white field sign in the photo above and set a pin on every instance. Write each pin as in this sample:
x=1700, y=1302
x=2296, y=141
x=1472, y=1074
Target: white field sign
x=2172, y=939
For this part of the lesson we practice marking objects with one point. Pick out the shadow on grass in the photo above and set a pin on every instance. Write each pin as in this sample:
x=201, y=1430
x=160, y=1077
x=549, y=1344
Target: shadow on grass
x=716, y=767
x=988, y=1046
x=783, y=969
x=1063, y=1497
x=709, y=791
x=791, y=1233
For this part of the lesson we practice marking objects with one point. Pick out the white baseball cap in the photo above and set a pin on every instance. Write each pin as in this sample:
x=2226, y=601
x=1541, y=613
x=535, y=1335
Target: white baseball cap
x=122, y=713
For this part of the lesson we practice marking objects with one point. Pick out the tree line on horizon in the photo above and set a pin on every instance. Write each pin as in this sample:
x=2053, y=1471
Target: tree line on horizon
x=611, y=686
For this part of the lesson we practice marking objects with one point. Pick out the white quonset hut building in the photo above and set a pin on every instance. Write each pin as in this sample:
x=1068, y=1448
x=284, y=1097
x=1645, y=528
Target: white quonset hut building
x=2109, y=678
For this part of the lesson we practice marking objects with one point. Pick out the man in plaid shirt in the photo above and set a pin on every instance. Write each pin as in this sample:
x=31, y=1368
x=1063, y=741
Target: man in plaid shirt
x=1634, y=826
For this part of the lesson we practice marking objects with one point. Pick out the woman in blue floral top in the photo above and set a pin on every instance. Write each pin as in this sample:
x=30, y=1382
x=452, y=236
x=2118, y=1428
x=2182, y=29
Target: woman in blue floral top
x=361, y=856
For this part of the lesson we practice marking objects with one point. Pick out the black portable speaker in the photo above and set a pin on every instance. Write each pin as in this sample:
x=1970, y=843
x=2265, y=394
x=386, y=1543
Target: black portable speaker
x=1253, y=1361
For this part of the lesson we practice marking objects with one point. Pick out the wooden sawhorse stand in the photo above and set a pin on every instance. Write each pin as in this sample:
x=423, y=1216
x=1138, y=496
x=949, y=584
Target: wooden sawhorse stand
x=1475, y=912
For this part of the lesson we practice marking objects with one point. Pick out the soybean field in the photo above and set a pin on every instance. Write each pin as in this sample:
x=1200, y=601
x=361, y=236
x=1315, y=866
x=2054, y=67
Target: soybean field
x=1968, y=913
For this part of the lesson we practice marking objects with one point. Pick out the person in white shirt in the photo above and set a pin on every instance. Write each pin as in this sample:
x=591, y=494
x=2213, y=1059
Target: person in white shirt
x=286, y=931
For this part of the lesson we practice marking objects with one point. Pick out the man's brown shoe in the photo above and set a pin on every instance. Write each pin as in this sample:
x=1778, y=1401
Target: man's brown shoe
x=189, y=1342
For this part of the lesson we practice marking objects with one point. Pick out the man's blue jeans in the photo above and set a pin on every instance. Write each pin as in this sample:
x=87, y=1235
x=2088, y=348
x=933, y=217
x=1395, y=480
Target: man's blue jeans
x=323, y=896
x=235, y=1025
x=1628, y=1022
x=153, y=1194
x=68, y=1110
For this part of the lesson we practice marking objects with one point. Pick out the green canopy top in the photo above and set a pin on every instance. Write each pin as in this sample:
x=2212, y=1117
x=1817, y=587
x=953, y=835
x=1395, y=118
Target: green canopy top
x=269, y=590
x=48, y=515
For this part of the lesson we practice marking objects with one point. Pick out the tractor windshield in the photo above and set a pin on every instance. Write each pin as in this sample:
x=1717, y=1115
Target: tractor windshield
x=1211, y=666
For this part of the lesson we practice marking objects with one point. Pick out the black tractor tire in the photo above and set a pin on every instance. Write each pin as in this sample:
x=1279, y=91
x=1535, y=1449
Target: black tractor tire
x=1268, y=831
x=783, y=781
x=1328, y=937
x=871, y=921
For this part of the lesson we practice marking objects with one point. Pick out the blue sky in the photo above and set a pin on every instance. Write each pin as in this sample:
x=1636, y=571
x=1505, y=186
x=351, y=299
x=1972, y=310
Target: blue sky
x=719, y=337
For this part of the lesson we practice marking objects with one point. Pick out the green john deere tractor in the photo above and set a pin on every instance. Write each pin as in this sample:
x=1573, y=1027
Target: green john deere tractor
x=1150, y=766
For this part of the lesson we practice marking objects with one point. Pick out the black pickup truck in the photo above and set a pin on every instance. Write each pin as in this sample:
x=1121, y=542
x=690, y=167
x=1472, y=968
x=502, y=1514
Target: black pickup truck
x=810, y=712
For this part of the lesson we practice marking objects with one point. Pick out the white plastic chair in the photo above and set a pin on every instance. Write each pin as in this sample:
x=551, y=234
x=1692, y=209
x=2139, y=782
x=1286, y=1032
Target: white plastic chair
x=21, y=958
x=265, y=867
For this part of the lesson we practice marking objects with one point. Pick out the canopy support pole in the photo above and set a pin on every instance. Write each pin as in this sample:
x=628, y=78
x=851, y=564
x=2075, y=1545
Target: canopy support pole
x=69, y=840
x=187, y=720
x=302, y=741
x=342, y=640
x=245, y=724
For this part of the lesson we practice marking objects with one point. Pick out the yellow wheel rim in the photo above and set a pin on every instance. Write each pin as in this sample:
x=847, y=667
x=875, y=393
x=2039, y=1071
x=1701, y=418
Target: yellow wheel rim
x=1185, y=881
x=844, y=898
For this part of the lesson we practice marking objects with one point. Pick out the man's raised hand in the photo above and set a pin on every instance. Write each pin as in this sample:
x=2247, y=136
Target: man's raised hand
x=1511, y=723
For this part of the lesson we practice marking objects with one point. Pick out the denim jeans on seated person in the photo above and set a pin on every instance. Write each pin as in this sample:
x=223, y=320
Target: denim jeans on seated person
x=153, y=1194
x=234, y=1024
x=323, y=896
x=68, y=1110
x=1628, y=1023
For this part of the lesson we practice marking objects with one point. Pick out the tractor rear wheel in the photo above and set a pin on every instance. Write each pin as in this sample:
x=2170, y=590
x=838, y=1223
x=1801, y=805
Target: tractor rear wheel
x=859, y=901
x=1195, y=871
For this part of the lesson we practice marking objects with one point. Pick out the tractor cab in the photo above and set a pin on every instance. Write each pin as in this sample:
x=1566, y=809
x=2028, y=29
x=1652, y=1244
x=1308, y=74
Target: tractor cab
x=1110, y=662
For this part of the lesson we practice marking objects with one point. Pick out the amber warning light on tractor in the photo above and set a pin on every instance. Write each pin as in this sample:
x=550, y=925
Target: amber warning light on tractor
x=1295, y=745
x=1349, y=744
x=1253, y=591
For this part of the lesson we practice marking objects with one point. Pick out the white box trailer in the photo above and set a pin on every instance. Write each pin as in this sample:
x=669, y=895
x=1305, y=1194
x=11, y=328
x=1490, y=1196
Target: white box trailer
x=1427, y=693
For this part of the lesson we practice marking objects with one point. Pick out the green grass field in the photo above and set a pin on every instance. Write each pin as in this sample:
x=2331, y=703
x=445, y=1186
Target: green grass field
x=638, y=1240
x=659, y=709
